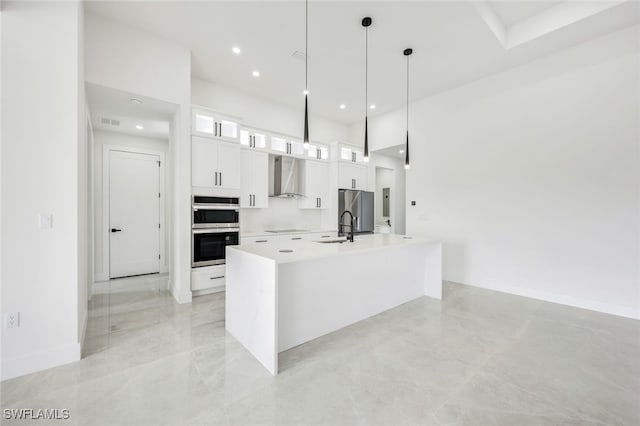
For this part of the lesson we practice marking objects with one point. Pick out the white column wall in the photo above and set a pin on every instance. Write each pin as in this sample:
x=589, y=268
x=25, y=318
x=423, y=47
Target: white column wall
x=42, y=126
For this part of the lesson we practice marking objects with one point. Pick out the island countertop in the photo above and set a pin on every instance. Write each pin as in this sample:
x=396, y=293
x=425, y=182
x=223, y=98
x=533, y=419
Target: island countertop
x=313, y=249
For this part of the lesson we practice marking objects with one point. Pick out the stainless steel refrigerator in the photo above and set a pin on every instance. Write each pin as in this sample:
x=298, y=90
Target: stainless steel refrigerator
x=360, y=204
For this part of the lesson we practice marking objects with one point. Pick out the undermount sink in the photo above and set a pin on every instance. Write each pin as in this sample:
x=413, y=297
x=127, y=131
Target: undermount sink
x=332, y=241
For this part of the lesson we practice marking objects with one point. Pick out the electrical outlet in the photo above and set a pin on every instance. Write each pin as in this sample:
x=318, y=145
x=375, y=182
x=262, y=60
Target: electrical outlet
x=12, y=320
x=45, y=221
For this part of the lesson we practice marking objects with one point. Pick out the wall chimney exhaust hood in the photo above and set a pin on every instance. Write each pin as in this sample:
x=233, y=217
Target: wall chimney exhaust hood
x=285, y=177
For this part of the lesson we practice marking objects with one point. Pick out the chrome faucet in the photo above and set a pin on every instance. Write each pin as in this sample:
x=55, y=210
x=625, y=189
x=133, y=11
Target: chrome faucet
x=351, y=226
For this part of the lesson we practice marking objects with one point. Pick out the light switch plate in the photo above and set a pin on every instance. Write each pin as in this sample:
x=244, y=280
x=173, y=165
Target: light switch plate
x=12, y=320
x=45, y=221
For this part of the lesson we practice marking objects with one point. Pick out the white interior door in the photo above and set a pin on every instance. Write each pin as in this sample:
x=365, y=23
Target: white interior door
x=134, y=214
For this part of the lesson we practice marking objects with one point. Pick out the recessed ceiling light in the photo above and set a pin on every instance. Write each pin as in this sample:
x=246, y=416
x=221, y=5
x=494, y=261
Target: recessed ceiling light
x=139, y=127
x=256, y=73
x=342, y=106
x=135, y=101
x=372, y=106
x=236, y=50
x=401, y=151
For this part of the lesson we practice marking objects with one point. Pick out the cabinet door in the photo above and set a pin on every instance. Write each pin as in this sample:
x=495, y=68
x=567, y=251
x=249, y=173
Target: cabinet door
x=260, y=140
x=229, y=165
x=360, y=176
x=204, y=160
x=245, y=137
x=203, y=123
x=352, y=176
x=246, y=178
x=296, y=147
x=279, y=144
x=321, y=176
x=228, y=130
x=260, y=178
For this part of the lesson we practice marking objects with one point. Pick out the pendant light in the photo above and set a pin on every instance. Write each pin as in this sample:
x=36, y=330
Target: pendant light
x=306, y=75
x=366, y=23
x=407, y=53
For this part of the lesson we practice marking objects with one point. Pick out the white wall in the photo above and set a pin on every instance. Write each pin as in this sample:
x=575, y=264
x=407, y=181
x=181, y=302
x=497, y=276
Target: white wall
x=267, y=115
x=531, y=177
x=136, y=144
x=159, y=69
x=41, y=272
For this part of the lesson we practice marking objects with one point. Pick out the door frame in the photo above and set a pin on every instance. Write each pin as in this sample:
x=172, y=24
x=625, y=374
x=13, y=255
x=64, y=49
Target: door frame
x=106, y=207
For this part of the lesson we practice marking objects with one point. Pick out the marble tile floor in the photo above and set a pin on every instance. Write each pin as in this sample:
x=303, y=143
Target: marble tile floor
x=477, y=358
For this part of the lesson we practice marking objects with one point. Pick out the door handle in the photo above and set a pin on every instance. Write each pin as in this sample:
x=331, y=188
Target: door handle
x=116, y=230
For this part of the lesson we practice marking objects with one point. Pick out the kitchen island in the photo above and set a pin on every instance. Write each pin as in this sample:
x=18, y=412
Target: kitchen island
x=284, y=293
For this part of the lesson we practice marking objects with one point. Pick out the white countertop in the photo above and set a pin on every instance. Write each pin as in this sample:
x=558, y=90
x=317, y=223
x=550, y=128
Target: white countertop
x=310, y=249
x=266, y=233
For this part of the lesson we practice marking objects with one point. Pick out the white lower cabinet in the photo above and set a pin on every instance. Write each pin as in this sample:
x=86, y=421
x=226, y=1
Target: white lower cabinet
x=316, y=185
x=352, y=176
x=254, y=179
x=208, y=277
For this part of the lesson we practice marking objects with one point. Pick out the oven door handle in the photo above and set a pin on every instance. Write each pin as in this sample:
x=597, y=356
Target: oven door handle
x=208, y=207
x=215, y=230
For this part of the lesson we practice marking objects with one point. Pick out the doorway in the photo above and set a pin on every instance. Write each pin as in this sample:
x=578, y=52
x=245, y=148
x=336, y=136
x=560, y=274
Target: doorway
x=134, y=213
x=385, y=191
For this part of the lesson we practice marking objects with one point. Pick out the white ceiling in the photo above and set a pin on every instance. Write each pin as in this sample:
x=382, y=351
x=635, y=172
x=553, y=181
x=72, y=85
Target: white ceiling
x=512, y=12
x=106, y=103
x=453, y=45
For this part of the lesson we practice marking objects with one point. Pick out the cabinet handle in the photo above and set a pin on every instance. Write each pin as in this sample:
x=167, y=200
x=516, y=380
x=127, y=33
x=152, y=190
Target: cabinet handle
x=253, y=200
x=296, y=238
x=353, y=157
x=215, y=128
x=215, y=174
x=260, y=241
x=220, y=132
x=320, y=202
x=220, y=178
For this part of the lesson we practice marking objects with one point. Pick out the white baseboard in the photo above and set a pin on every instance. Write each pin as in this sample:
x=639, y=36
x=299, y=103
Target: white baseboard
x=83, y=331
x=562, y=299
x=40, y=361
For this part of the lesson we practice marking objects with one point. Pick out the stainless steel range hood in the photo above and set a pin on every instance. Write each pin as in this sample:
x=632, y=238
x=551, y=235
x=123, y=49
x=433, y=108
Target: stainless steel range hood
x=285, y=179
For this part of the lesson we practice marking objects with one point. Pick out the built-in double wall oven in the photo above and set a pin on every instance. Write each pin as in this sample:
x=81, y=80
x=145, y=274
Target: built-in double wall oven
x=215, y=225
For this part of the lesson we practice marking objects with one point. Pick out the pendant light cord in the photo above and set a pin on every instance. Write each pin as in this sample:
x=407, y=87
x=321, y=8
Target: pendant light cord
x=407, y=93
x=366, y=70
x=306, y=46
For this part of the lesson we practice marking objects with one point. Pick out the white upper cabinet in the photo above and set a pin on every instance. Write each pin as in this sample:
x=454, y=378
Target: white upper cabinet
x=287, y=146
x=316, y=185
x=208, y=124
x=348, y=153
x=253, y=138
x=215, y=165
x=296, y=147
x=254, y=180
x=352, y=176
x=317, y=151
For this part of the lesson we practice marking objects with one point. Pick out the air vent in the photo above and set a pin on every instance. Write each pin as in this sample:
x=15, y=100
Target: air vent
x=109, y=121
x=298, y=54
